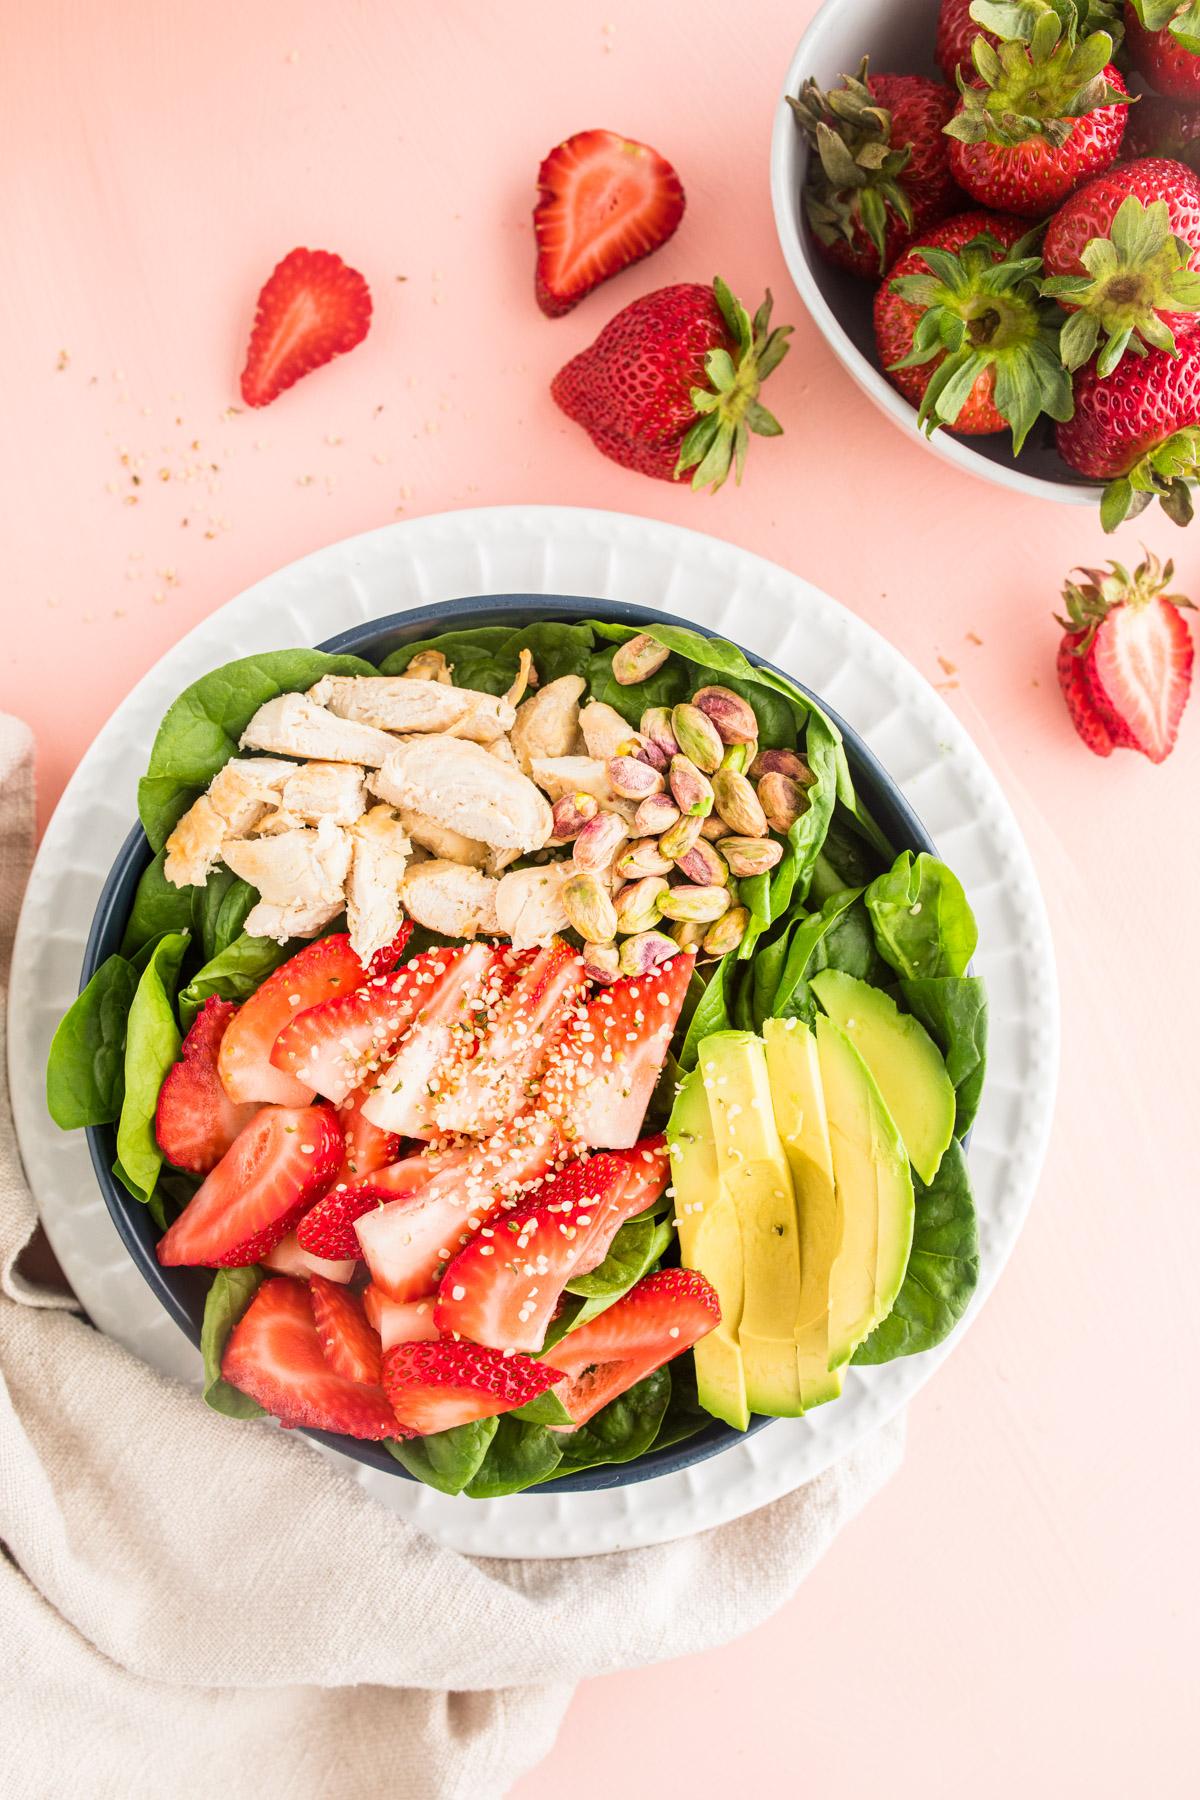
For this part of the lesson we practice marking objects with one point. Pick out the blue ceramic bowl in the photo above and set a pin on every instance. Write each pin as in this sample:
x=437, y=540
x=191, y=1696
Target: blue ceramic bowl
x=182, y=1291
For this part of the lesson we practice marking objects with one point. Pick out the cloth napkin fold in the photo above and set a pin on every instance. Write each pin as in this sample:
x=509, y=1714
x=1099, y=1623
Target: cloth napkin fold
x=195, y=1606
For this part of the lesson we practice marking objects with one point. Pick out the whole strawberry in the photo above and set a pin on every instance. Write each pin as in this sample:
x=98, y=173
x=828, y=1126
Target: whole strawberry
x=1125, y=661
x=881, y=172
x=960, y=22
x=1138, y=429
x=672, y=383
x=1123, y=255
x=1159, y=127
x=1164, y=45
x=963, y=332
x=1046, y=112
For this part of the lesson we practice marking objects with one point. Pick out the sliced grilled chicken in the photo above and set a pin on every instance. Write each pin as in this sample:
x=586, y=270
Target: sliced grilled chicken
x=400, y=703
x=293, y=725
x=457, y=784
x=529, y=907
x=439, y=840
x=603, y=729
x=300, y=877
x=548, y=724
x=450, y=899
x=380, y=856
x=239, y=795
x=559, y=775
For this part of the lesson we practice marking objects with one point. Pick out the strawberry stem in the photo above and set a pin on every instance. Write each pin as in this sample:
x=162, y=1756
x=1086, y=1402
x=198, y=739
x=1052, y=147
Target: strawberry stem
x=729, y=409
x=1164, y=473
x=854, y=179
x=1133, y=275
x=1089, y=603
x=1039, y=81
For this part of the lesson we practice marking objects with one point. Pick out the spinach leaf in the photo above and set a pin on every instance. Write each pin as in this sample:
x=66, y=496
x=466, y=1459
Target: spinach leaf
x=544, y=1409
x=770, y=897
x=711, y=1014
x=445, y=1460
x=943, y=1267
x=234, y=973
x=228, y=1297
x=623, y=1429
x=518, y=1456
x=158, y=907
x=201, y=728
x=923, y=924
x=767, y=971
x=219, y=910
x=488, y=657
x=849, y=945
x=85, y=1073
x=151, y=1046
x=684, y=1416
x=791, y=998
x=954, y=1011
x=853, y=861
x=639, y=1245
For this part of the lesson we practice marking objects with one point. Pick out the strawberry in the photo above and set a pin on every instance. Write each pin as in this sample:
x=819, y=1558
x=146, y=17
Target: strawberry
x=1125, y=662
x=649, y=1168
x=290, y=1258
x=367, y=1148
x=328, y=1229
x=503, y=1288
x=312, y=309
x=460, y=986
x=269, y=1177
x=662, y=1315
x=399, y=1321
x=1045, y=113
x=351, y=1344
x=963, y=332
x=432, y=1386
x=603, y=1074
x=1163, y=37
x=316, y=973
x=605, y=202
x=1160, y=127
x=881, y=169
x=275, y=1355
x=672, y=383
x=960, y=23
x=196, y=1121
x=1123, y=254
x=1138, y=429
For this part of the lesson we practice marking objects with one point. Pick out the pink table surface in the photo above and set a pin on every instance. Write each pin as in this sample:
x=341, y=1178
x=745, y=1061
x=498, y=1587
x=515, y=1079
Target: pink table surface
x=1017, y=1613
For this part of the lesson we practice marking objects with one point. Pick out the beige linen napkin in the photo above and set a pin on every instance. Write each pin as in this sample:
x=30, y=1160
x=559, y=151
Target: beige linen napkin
x=198, y=1607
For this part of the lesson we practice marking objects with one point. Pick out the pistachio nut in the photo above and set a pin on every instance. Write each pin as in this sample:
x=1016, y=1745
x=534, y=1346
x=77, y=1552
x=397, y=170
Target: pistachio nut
x=727, y=932
x=701, y=904
x=645, y=950
x=714, y=828
x=688, y=934
x=782, y=801
x=781, y=762
x=601, y=962
x=643, y=749
x=734, y=718
x=632, y=778
x=740, y=756
x=571, y=813
x=429, y=665
x=703, y=865
x=691, y=791
x=697, y=737
x=679, y=839
x=586, y=902
x=738, y=804
x=637, y=904
x=638, y=659
x=656, y=814
x=599, y=842
x=750, y=855
x=656, y=728
x=643, y=857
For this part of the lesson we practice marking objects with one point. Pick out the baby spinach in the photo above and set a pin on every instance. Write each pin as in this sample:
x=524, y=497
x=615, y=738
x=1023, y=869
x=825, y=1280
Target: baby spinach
x=923, y=923
x=158, y=907
x=637, y=1248
x=488, y=657
x=151, y=1047
x=228, y=1297
x=543, y=1409
x=518, y=1456
x=623, y=1429
x=943, y=1267
x=85, y=1074
x=200, y=730
x=791, y=996
x=234, y=973
x=954, y=1010
x=684, y=1416
x=666, y=687
x=711, y=1014
x=446, y=1460
x=220, y=909
x=849, y=945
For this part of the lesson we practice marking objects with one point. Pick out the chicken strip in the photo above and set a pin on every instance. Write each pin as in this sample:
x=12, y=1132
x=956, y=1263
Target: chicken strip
x=529, y=907
x=603, y=729
x=400, y=703
x=457, y=784
x=300, y=877
x=439, y=840
x=238, y=797
x=380, y=852
x=547, y=725
x=318, y=790
x=292, y=725
x=454, y=901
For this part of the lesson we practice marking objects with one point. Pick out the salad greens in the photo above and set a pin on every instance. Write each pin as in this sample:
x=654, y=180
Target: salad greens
x=923, y=924
x=152, y=1043
x=230, y=1294
x=85, y=1076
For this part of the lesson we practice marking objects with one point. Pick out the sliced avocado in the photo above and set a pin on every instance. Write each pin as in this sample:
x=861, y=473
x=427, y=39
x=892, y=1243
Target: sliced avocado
x=799, y=1103
x=874, y=1184
x=903, y=1058
x=709, y=1240
x=753, y=1167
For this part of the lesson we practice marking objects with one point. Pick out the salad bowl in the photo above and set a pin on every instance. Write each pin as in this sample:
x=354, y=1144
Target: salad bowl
x=181, y=1291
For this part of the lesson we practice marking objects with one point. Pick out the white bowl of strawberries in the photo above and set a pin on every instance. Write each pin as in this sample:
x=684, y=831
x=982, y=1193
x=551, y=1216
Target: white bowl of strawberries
x=1000, y=240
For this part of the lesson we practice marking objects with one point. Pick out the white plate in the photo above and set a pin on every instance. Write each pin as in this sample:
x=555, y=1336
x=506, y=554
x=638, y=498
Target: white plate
x=609, y=556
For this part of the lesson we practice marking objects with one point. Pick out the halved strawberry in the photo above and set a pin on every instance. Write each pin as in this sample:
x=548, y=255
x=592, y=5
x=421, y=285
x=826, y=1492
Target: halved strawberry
x=290, y=1258
x=407, y=1244
x=649, y=1165
x=196, y=1121
x=664, y=1314
x=433, y=1386
x=314, y=974
x=367, y=1148
x=274, y=1354
x=272, y=1173
x=605, y=202
x=399, y=1321
x=336, y=1045
x=455, y=988
x=328, y=1229
x=351, y=1344
x=521, y=1030
x=312, y=309
x=1125, y=660
x=602, y=1075
x=503, y=1288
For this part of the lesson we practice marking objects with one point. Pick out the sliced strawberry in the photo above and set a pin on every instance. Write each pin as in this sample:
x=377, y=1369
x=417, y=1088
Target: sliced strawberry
x=1076, y=691
x=274, y=1354
x=314, y=974
x=289, y=1258
x=649, y=1166
x=367, y=1148
x=272, y=1173
x=502, y=1289
x=351, y=1344
x=433, y=1386
x=602, y=1075
x=312, y=309
x=337, y=1045
x=1141, y=669
x=455, y=989
x=501, y=1079
x=407, y=1244
x=328, y=1229
x=605, y=202
x=196, y=1121
x=664, y=1314
x=399, y=1321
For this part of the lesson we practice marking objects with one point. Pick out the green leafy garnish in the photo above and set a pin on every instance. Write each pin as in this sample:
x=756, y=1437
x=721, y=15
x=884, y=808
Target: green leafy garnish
x=943, y=1267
